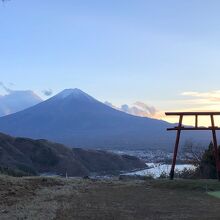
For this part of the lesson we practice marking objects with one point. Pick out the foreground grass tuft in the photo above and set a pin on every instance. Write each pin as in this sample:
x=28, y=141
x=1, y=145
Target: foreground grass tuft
x=186, y=184
x=215, y=194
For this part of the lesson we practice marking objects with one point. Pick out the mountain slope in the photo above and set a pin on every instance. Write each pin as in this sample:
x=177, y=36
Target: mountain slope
x=16, y=101
x=39, y=156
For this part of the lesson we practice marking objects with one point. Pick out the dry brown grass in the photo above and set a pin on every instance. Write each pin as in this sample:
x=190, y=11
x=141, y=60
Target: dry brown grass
x=61, y=199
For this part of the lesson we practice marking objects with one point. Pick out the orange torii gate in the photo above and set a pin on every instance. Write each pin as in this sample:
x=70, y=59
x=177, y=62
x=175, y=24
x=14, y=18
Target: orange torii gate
x=180, y=128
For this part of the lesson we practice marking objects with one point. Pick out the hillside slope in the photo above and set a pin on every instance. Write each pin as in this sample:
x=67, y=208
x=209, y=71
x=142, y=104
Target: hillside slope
x=40, y=156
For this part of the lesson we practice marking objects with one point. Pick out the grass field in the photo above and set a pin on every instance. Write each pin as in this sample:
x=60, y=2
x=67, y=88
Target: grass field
x=60, y=199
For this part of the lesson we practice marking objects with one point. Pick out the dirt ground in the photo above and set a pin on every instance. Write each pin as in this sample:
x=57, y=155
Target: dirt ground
x=61, y=199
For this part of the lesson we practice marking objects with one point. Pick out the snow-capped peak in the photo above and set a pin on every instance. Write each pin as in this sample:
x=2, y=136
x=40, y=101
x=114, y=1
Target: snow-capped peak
x=75, y=93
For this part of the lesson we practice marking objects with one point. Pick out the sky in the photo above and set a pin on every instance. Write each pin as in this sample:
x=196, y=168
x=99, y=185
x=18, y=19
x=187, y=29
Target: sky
x=162, y=53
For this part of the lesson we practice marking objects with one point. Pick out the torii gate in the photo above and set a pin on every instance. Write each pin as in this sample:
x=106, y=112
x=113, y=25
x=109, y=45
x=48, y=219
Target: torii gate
x=180, y=128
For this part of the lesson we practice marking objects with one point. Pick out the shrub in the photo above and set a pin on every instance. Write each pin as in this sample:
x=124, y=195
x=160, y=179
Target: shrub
x=13, y=172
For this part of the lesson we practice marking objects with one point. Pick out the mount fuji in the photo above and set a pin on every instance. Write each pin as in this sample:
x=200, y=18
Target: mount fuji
x=76, y=119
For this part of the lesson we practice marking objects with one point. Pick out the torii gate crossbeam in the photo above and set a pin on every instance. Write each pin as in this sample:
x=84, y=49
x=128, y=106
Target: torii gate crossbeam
x=180, y=128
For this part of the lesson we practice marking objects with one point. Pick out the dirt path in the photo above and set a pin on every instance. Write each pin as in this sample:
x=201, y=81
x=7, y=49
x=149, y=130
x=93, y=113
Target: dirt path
x=60, y=199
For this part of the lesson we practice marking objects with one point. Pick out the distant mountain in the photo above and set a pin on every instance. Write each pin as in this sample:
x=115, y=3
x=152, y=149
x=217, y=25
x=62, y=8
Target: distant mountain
x=16, y=101
x=41, y=156
x=76, y=119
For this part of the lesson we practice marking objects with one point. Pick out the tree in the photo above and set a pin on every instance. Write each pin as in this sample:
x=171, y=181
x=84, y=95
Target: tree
x=193, y=153
x=207, y=165
x=203, y=160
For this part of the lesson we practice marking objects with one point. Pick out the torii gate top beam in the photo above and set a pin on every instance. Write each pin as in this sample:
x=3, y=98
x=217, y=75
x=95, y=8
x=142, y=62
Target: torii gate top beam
x=192, y=113
x=196, y=127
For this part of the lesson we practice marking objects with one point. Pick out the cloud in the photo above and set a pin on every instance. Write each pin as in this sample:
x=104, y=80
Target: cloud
x=47, y=92
x=110, y=104
x=3, y=86
x=187, y=101
x=150, y=109
x=138, y=109
x=194, y=101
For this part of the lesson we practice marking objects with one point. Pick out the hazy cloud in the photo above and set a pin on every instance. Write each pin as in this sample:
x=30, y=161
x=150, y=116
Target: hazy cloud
x=47, y=92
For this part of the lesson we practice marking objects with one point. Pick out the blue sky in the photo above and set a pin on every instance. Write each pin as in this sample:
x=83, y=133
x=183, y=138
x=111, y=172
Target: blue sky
x=163, y=53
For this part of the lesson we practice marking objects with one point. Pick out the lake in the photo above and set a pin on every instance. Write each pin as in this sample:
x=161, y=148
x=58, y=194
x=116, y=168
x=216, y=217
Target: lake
x=156, y=169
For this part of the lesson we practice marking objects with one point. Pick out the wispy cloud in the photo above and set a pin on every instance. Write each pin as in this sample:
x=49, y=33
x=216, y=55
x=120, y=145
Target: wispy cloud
x=212, y=96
